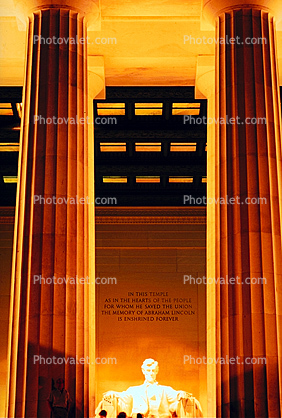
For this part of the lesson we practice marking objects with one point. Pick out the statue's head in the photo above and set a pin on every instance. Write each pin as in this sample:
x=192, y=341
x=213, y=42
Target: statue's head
x=150, y=369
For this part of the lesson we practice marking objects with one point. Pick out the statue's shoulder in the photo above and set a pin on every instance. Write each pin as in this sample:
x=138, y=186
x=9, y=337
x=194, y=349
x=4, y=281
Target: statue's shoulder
x=165, y=387
x=135, y=388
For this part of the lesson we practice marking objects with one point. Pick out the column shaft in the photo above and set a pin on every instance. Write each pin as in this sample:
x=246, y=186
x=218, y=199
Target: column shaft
x=50, y=317
x=248, y=165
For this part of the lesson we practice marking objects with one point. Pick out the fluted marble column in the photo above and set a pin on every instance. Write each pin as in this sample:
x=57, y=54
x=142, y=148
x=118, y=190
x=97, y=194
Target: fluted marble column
x=50, y=319
x=248, y=237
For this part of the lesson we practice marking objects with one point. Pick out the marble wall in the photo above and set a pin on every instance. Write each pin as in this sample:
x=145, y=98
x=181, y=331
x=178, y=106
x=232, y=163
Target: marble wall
x=149, y=262
x=142, y=257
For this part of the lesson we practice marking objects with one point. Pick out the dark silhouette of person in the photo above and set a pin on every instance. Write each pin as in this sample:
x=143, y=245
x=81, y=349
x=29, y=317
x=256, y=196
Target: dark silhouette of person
x=59, y=400
x=103, y=413
x=121, y=415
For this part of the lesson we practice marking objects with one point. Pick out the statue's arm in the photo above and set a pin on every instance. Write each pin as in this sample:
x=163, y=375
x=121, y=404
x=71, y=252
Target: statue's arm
x=176, y=395
x=122, y=397
x=111, y=394
x=179, y=405
x=183, y=395
x=123, y=400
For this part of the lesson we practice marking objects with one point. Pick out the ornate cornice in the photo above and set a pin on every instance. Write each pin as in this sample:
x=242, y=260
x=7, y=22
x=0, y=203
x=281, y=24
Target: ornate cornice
x=11, y=94
x=136, y=215
x=151, y=134
x=150, y=220
x=151, y=215
x=7, y=215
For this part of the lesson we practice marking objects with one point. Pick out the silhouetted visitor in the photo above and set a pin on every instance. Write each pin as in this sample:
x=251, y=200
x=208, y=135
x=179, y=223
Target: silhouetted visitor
x=59, y=400
x=139, y=415
x=103, y=413
x=121, y=415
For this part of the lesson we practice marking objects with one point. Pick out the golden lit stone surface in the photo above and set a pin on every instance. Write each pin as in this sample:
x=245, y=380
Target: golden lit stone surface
x=142, y=44
x=56, y=160
x=248, y=236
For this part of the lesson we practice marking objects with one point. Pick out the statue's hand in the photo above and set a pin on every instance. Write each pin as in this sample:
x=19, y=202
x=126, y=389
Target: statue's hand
x=184, y=395
x=110, y=394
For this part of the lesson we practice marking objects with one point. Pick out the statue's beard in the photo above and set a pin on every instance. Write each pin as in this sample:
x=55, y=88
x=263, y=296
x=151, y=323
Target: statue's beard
x=150, y=380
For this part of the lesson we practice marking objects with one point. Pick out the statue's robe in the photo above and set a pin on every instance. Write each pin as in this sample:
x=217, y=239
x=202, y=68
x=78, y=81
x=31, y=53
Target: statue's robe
x=154, y=400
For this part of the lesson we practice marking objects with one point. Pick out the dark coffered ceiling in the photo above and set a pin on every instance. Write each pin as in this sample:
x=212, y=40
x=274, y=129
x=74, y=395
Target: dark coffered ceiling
x=150, y=145
x=145, y=155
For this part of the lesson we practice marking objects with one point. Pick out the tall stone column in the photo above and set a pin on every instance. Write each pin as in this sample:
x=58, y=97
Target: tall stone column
x=248, y=236
x=50, y=313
